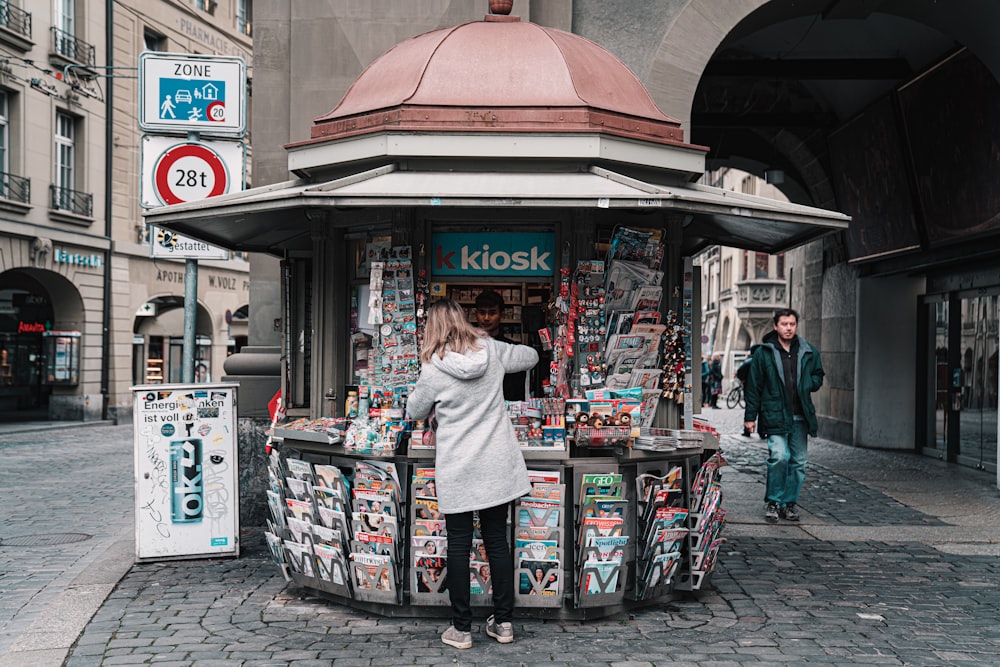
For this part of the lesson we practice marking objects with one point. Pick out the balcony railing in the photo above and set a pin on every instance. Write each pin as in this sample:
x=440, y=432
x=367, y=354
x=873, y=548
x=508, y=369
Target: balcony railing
x=15, y=188
x=64, y=199
x=72, y=48
x=15, y=18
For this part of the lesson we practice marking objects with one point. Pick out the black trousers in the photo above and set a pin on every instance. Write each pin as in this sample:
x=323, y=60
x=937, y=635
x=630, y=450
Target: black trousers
x=493, y=525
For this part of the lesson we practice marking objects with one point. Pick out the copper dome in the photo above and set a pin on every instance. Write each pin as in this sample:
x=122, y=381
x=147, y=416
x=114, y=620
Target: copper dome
x=498, y=75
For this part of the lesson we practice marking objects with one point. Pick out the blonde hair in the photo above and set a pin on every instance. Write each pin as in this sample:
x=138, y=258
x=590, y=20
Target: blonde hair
x=447, y=329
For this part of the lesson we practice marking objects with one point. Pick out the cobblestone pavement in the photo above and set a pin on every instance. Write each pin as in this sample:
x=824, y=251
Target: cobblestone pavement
x=67, y=515
x=894, y=563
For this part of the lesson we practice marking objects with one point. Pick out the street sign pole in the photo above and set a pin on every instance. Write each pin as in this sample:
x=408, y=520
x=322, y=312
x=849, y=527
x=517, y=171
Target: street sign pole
x=190, y=306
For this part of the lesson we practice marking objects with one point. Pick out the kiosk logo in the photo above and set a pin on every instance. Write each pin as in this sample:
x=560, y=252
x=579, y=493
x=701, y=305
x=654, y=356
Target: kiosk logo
x=493, y=254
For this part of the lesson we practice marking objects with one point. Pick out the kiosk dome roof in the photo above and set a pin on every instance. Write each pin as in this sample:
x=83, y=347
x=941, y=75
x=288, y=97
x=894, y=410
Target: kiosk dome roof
x=498, y=74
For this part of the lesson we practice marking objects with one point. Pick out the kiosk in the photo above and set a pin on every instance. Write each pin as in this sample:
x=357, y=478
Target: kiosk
x=497, y=155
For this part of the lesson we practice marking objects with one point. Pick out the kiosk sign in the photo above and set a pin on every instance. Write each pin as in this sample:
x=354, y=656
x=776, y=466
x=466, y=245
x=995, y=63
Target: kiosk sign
x=192, y=93
x=493, y=254
x=185, y=471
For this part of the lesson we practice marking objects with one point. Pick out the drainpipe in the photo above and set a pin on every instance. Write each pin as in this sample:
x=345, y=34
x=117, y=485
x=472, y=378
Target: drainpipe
x=109, y=29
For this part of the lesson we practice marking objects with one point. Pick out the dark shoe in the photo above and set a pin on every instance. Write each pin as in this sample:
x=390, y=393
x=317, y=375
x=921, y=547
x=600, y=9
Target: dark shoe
x=771, y=512
x=502, y=632
x=746, y=433
x=789, y=512
x=457, y=638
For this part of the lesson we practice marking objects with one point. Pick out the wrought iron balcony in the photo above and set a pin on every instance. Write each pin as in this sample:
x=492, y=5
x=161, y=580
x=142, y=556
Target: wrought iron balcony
x=14, y=18
x=73, y=201
x=15, y=188
x=72, y=48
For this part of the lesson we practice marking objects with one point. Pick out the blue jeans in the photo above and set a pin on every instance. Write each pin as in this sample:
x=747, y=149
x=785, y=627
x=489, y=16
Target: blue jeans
x=493, y=524
x=786, y=464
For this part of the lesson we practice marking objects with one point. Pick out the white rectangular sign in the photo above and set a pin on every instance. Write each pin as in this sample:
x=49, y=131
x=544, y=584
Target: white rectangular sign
x=186, y=488
x=175, y=171
x=165, y=243
x=182, y=92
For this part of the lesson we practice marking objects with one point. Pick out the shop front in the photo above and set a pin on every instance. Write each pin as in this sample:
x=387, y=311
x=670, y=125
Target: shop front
x=40, y=345
x=571, y=198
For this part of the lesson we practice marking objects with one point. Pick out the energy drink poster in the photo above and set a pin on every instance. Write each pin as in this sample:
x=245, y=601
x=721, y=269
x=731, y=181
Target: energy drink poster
x=186, y=489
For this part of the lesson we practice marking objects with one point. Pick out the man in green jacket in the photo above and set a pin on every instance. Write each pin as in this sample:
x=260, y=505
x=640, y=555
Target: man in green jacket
x=784, y=372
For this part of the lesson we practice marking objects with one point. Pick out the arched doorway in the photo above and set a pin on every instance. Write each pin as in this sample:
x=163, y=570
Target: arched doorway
x=41, y=314
x=158, y=342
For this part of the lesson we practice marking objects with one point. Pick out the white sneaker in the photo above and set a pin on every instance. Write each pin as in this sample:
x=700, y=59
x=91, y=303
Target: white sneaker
x=502, y=632
x=457, y=638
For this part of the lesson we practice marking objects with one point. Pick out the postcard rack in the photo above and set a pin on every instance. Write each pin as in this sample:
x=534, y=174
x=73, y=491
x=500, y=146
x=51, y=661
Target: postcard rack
x=596, y=536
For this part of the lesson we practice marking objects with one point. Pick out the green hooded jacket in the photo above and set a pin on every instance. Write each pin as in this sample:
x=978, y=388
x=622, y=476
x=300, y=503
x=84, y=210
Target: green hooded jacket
x=767, y=401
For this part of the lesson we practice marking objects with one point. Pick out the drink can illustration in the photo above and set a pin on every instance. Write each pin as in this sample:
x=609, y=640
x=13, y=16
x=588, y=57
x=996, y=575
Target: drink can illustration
x=187, y=489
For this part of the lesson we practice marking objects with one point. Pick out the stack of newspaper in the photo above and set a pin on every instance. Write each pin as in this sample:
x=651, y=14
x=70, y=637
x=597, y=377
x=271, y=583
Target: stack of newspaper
x=655, y=439
x=688, y=439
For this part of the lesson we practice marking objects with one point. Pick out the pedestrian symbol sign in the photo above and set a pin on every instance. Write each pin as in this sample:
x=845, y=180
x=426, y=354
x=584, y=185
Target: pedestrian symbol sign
x=190, y=93
x=195, y=101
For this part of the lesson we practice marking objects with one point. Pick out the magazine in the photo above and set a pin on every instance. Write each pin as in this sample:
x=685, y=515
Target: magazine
x=329, y=498
x=375, y=502
x=425, y=545
x=301, y=531
x=547, y=491
x=536, y=533
x=300, y=557
x=604, y=548
x=300, y=509
x=539, y=577
x=600, y=484
x=376, y=475
x=299, y=489
x=480, y=578
x=300, y=469
x=544, y=476
x=331, y=564
x=372, y=572
x=335, y=519
x=538, y=513
x=599, y=527
x=274, y=545
x=430, y=575
x=599, y=577
x=537, y=549
x=659, y=571
x=426, y=527
x=427, y=508
x=664, y=540
x=374, y=523
x=330, y=537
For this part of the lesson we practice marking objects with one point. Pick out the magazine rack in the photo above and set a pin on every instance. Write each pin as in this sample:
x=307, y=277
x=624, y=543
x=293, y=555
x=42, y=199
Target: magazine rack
x=589, y=567
x=539, y=545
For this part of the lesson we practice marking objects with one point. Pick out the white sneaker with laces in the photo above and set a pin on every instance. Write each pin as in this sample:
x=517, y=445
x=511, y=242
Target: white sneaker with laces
x=502, y=632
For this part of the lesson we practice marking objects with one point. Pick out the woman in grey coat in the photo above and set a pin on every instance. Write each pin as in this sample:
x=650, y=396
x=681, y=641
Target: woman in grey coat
x=478, y=462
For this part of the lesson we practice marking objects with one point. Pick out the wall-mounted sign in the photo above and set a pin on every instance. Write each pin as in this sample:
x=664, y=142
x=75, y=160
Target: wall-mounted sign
x=63, y=256
x=186, y=491
x=183, y=92
x=514, y=254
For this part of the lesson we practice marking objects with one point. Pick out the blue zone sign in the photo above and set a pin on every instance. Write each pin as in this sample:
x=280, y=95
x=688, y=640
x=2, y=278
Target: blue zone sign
x=493, y=254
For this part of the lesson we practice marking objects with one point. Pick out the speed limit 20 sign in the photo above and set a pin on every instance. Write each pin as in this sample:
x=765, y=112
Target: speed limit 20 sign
x=174, y=172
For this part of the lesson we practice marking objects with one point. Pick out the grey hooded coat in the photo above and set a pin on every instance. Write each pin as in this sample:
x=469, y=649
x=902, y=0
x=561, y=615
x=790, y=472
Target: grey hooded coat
x=478, y=461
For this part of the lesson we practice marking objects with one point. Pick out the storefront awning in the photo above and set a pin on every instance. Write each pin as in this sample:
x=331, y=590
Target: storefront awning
x=278, y=217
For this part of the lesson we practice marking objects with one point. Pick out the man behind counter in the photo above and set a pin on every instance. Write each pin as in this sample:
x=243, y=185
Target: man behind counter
x=489, y=312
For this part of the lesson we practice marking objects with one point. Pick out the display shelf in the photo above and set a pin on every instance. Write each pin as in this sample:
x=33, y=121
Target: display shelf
x=581, y=567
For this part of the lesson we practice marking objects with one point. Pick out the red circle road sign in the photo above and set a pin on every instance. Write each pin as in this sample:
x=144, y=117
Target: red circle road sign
x=189, y=172
x=216, y=111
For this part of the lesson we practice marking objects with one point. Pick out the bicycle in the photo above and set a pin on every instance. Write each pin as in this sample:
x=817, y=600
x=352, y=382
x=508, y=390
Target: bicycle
x=735, y=396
